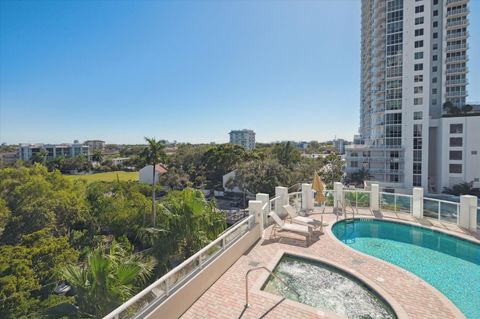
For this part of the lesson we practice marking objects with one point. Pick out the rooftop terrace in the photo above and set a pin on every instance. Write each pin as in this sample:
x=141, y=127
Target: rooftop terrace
x=212, y=283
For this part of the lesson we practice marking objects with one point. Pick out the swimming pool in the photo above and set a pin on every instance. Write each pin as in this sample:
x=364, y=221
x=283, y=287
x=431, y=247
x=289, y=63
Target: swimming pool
x=448, y=263
x=327, y=288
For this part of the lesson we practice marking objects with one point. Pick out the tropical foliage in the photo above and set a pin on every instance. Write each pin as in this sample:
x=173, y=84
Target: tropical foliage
x=462, y=189
x=109, y=277
x=90, y=234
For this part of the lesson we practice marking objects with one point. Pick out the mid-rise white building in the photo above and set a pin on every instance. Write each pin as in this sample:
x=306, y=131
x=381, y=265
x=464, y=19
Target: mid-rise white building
x=26, y=151
x=456, y=152
x=414, y=59
x=95, y=145
x=245, y=138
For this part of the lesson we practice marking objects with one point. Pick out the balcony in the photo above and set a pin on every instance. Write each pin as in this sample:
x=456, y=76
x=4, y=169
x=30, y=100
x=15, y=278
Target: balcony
x=461, y=58
x=456, y=2
x=457, y=23
x=456, y=35
x=455, y=47
x=451, y=13
x=456, y=82
x=456, y=94
x=456, y=70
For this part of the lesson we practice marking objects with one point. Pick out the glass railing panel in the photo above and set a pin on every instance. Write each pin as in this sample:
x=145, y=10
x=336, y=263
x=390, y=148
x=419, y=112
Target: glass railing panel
x=329, y=197
x=404, y=203
x=182, y=273
x=140, y=304
x=211, y=252
x=363, y=199
x=430, y=208
x=387, y=202
x=448, y=212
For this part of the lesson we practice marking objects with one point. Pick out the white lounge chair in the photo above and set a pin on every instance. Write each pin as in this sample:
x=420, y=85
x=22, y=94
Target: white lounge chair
x=293, y=228
x=300, y=220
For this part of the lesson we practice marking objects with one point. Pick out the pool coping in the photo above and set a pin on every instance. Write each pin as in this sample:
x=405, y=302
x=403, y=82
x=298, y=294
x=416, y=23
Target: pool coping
x=447, y=302
x=463, y=236
x=259, y=283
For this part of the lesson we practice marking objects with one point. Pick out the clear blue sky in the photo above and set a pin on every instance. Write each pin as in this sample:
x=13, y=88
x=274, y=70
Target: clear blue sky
x=184, y=70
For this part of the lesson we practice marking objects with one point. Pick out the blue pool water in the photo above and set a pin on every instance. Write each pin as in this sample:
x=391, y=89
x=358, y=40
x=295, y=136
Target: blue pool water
x=448, y=263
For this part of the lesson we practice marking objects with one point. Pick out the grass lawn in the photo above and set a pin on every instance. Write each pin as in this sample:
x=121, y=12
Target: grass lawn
x=108, y=177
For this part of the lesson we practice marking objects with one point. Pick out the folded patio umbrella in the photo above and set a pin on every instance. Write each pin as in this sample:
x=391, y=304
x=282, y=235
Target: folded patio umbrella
x=317, y=186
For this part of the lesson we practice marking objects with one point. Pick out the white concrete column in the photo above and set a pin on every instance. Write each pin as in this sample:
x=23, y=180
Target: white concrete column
x=265, y=199
x=375, y=197
x=468, y=212
x=337, y=195
x=307, y=196
x=282, y=200
x=255, y=209
x=417, y=202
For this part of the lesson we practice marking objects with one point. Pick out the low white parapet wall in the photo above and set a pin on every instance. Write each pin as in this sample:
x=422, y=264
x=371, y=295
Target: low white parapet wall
x=185, y=297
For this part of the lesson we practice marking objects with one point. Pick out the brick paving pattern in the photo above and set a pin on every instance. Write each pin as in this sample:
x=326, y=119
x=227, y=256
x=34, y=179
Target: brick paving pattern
x=226, y=297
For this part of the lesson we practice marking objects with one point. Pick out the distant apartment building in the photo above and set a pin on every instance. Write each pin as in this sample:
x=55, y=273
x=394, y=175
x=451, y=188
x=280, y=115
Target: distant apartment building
x=413, y=60
x=339, y=145
x=95, y=145
x=26, y=151
x=245, y=138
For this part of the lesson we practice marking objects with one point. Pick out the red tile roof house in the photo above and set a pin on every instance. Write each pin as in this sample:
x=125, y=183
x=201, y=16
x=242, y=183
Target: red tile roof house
x=145, y=175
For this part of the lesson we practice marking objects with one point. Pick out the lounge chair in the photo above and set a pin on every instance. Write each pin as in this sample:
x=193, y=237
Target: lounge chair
x=300, y=220
x=293, y=228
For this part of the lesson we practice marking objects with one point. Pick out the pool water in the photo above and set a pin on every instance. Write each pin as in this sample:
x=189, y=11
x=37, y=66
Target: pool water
x=448, y=263
x=326, y=288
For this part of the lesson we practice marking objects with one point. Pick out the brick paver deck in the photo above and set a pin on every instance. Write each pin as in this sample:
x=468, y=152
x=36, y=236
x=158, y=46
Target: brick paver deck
x=226, y=298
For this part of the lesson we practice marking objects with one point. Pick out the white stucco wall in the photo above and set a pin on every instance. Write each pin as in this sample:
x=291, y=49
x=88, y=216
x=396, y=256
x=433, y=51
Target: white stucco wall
x=145, y=175
x=225, y=180
x=470, y=151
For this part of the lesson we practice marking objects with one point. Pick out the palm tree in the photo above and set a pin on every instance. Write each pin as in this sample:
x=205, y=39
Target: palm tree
x=153, y=154
x=97, y=156
x=108, y=278
x=40, y=156
x=362, y=175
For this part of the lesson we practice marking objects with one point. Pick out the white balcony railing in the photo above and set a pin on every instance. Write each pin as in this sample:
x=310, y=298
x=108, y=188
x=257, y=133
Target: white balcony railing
x=456, y=82
x=461, y=58
x=457, y=35
x=457, y=11
x=456, y=93
x=441, y=210
x=454, y=23
x=397, y=203
x=456, y=70
x=158, y=291
x=452, y=47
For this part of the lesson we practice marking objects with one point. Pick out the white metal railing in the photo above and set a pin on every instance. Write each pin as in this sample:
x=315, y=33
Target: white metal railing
x=441, y=210
x=457, y=35
x=456, y=58
x=456, y=46
x=157, y=292
x=456, y=11
x=457, y=23
x=398, y=203
x=454, y=1
x=295, y=199
x=457, y=70
x=456, y=93
x=329, y=197
x=453, y=82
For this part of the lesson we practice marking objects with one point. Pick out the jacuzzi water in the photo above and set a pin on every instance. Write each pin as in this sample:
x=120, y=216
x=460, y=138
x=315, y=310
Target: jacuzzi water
x=326, y=288
x=448, y=263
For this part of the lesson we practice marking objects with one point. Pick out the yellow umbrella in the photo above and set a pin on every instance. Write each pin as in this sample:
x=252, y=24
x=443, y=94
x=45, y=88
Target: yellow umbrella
x=317, y=186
